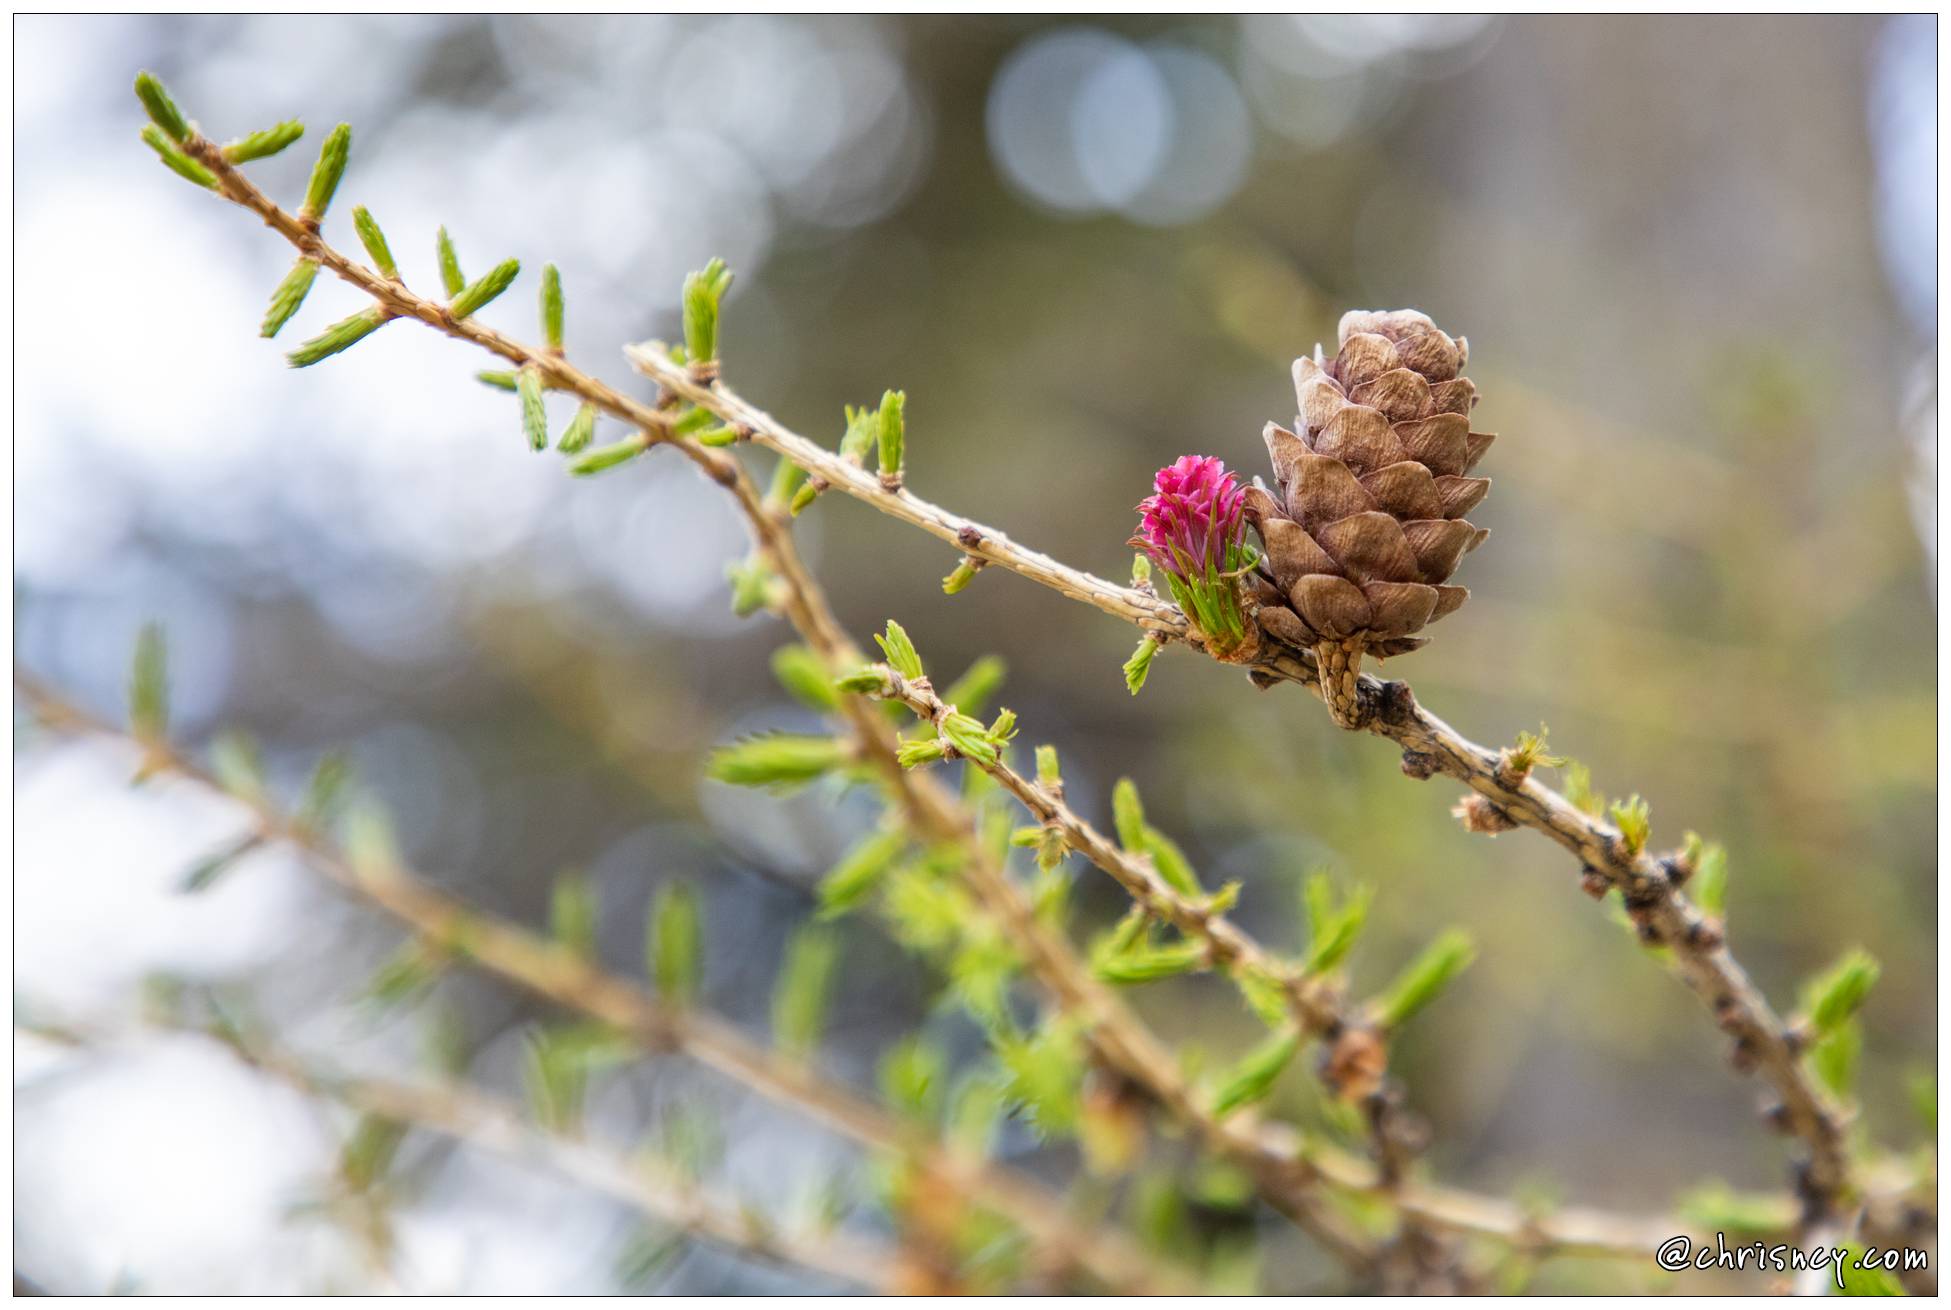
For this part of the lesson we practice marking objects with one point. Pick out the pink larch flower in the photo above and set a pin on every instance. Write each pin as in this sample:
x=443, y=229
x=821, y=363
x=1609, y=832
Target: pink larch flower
x=1195, y=521
x=1194, y=528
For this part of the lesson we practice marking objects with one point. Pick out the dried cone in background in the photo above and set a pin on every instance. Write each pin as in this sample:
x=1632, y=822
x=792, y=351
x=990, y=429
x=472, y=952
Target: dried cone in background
x=1368, y=524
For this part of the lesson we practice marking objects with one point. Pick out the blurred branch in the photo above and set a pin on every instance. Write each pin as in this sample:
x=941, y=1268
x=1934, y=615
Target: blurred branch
x=540, y=966
x=1314, y=1001
x=971, y=538
x=1320, y=1010
x=469, y=1115
x=1284, y=1166
x=547, y=969
x=1281, y=1170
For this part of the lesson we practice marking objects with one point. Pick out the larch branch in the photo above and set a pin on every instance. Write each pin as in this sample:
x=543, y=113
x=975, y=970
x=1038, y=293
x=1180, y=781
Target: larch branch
x=1430, y=745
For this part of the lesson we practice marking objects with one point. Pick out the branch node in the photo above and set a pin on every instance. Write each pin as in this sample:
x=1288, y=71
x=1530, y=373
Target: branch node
x=1481, y=814
x=1418, y=765
x=723, y=470
x=1705, y=934
x=1355, y=1063
x=1397, y=701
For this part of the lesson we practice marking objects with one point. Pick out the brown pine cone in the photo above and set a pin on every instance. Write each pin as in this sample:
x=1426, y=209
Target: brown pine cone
x=1368, y=524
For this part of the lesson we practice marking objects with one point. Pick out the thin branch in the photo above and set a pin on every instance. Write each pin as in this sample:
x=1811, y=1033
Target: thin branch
x=1319, y=1009
x=1283, y=1173
x=399, y=302
x=1316, y=1004
x=1650, y=886
x=548, y=970
x=1316, y=1007
x=470, y=1115
x=1651, y=892
x=966, y=535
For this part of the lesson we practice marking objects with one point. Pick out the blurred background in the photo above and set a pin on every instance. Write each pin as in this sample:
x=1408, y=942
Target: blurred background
x=1695, y=259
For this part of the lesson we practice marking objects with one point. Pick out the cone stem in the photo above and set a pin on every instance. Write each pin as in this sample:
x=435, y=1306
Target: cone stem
x=1340, y=667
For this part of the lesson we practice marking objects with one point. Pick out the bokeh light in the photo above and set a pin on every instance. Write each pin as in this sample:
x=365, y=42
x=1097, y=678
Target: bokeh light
x=1086, y=122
